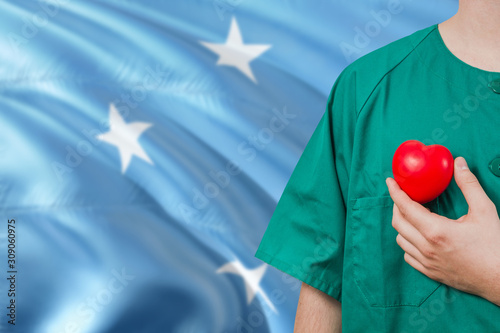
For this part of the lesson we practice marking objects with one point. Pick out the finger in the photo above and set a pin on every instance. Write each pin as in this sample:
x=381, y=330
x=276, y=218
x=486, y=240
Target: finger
x=411, y=210
x=415, y=263
x=469, y=185
x=407, y=230
x=409, y=248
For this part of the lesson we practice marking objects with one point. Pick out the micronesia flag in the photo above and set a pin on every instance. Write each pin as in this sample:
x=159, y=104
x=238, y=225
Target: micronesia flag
x=144, y=146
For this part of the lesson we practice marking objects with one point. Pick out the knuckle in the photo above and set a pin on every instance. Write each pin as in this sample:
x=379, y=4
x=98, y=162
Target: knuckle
x=431, y=274
x=470, y=179
x=437, y=239
x=429, y=253
x=435, y=236
x=403, y=210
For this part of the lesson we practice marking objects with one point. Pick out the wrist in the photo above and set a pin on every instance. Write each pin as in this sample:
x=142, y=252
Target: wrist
x=491, y=291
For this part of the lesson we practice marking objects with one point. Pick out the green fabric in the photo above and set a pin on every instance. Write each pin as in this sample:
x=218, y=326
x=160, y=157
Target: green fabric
x=332, y=226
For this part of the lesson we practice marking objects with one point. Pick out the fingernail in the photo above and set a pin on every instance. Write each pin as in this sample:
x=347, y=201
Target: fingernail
x=461, y=163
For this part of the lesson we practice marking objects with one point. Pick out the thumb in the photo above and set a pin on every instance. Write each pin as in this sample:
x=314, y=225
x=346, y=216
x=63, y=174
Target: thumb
x=469, y=185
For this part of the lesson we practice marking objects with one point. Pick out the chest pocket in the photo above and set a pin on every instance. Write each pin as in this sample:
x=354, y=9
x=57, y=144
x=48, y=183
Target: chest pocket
x=380, y=271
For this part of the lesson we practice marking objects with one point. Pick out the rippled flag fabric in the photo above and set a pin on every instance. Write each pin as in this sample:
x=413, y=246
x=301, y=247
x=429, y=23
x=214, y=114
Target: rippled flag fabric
x=144, y=146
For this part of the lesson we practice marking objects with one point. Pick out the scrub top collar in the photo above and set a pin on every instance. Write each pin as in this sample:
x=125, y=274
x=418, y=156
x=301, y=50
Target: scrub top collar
x=462, y=76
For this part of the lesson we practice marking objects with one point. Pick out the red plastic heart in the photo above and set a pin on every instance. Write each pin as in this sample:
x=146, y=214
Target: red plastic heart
x=423, y=172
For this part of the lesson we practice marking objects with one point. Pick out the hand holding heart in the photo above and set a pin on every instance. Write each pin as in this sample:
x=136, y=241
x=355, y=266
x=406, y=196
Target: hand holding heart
x=462, y=253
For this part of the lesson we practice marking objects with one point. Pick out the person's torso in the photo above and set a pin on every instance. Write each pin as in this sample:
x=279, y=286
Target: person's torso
x=433, y=97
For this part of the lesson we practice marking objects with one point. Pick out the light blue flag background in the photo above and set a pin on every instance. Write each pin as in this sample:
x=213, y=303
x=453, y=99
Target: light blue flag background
x=144, y=146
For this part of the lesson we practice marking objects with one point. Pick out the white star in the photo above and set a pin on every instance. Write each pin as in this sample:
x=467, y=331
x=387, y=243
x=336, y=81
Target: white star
x=125, y=137
x=235, y=53
x=251, y=277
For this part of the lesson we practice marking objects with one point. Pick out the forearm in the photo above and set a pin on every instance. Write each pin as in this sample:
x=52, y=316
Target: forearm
x=317, y=312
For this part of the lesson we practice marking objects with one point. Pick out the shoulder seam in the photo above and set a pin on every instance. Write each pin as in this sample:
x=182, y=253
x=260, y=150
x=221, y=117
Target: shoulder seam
x=390, y=70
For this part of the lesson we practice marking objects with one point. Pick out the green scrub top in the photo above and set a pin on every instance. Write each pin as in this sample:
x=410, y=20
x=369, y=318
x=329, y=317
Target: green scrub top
x=332, y=226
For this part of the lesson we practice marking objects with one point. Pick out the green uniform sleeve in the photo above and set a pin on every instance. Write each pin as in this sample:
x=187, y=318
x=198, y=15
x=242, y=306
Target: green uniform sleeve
x=305, y=237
